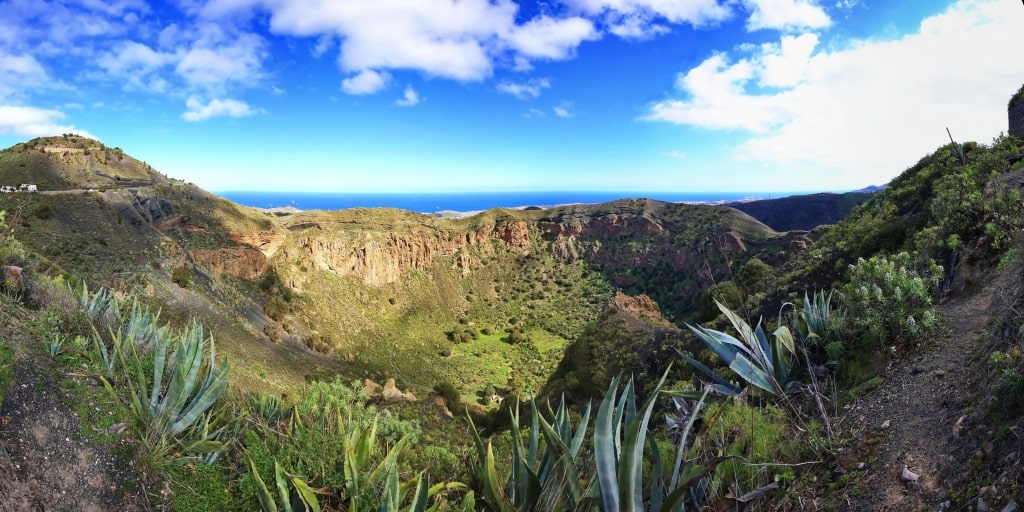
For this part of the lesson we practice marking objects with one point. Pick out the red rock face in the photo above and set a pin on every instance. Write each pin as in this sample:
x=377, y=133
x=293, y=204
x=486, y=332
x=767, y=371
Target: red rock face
x=640, y=307
x=381, y=258
x=242, y=262
x=607, y=226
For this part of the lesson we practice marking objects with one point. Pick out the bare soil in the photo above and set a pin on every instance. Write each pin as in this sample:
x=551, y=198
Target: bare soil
x=46, y=464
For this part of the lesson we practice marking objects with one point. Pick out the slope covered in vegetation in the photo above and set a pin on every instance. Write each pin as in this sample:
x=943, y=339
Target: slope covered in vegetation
x=253, y=407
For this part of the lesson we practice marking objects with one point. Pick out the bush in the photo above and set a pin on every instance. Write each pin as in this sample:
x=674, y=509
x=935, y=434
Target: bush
x=450, y=393
x=890, y=299
x=181, y=276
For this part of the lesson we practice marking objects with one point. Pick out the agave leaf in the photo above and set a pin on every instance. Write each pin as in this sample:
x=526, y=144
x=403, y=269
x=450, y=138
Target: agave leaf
x=738, y=323
x=419, y=500
x=681, y=448
x=390, y=461
x=631, y=459
x=722, y=383
x=391, y=496
x=723, y=345
x=531, y=455
x=306, y=494
x=675, y=501
x=267, y=502
x=567, y=476
x=657, y=476
x=763, y=350
x=282, y=487
x=581, y=431
x=753, y=374
x=605, y=453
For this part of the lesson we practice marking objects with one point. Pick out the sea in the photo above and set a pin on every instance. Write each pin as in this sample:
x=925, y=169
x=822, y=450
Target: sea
x=469, y=201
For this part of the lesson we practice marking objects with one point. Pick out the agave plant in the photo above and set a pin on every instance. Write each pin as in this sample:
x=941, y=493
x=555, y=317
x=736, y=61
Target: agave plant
x=548, y=480
x=553, y=480
x=765, y=364
x=620, y=435
x=169, y=411
x=100, y=305
x=306, y=497
x=817, y=316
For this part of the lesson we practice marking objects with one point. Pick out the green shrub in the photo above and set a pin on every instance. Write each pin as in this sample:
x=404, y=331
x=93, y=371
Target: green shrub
x=756, y=435
x=450, y=393
x=889, y=299
x=181, y=276
x=317, y=439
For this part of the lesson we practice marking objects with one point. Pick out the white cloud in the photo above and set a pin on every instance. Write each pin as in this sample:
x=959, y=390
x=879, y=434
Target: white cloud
x=524, y=90
x=20, y=73
x=456, y=39
x=784, y=64
x=197, y=111
x=786, y=15
x=438, y=37
x=409, y=97
x=550, y=38
x=34, y=122
x=366, y=82
x=868, y=109
x=137, y=66
x=131, y=57
x=533, y=112
x=213, y=66
x=676, y=154
x=634, y=25
x=696, y=13
x=564, y=109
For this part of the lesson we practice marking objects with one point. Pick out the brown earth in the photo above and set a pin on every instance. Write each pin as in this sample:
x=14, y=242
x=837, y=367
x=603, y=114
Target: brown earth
x=45, y=461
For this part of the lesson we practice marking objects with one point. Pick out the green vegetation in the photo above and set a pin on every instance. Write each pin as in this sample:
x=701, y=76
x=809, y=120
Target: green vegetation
x=765, y=364
x=889, y=300
x=485, y=312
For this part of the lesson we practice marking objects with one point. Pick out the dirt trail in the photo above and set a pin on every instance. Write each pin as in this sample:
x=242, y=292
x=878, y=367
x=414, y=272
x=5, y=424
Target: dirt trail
x=911, y=420
x=45, y=464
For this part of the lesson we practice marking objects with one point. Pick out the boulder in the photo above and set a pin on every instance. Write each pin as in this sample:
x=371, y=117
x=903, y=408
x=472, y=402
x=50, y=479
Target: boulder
x=392, y=395
x=13, y=277
x=373, y=390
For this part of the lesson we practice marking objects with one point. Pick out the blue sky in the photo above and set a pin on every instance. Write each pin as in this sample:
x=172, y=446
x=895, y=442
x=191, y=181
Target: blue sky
x=498, y=95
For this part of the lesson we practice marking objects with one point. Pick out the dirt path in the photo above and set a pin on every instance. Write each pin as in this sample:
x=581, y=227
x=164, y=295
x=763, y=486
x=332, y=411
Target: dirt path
x=911, y=420
x=45, y=464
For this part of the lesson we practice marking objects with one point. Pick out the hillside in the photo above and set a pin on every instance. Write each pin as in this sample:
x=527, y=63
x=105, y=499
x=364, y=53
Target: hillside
x=477, y=313
x=803, y=212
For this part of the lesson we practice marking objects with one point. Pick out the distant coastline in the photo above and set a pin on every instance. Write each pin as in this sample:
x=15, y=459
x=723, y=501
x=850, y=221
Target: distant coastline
x=464, y=204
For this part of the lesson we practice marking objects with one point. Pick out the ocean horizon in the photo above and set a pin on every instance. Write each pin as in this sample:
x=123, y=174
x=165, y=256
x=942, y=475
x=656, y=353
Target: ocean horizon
x=472, y=201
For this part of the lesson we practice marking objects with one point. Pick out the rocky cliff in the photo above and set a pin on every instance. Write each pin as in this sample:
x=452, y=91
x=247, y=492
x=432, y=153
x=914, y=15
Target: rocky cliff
x=379, y=257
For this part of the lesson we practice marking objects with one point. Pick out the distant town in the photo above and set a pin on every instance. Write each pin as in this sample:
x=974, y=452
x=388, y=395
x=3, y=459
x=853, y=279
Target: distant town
x=24, y=187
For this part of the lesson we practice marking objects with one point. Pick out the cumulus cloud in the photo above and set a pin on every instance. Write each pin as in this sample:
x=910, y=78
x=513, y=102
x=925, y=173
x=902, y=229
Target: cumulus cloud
x=533, y=113
x=785, y=15
x=236, y=59
x=409, y=97
x=366, y=82
x=197, y=111
x=564, y=109
x=550, y=38
x=20, y=73
x=893, y=97
x=524, y=90
x=634, y=25
x=696, y=13
x=34, y=122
